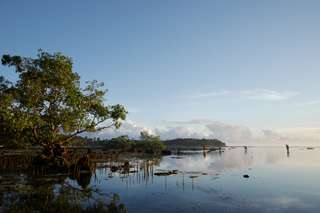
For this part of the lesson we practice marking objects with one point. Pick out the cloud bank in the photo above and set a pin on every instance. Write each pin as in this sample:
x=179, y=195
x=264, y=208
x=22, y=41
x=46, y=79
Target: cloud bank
x=254, y=94
x=231, y=134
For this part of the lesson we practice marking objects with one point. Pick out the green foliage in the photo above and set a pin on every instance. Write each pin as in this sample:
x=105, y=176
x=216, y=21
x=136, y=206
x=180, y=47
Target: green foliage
x=192, y=143
x=47, y=106
x=145, y=136
x=149, y=143
x=123, y=143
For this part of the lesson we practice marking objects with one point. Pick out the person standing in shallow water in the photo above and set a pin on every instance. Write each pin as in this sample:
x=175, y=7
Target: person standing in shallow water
x=288, y=151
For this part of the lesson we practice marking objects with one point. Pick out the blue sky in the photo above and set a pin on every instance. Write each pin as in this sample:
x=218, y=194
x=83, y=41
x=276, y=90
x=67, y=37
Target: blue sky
x=251, y=63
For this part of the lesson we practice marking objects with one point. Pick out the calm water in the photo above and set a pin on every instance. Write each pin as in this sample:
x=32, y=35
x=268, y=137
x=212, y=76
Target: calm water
x=204, y=183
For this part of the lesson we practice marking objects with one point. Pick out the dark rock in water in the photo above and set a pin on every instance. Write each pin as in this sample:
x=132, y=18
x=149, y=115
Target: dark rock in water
x=193, y=176
x=162, y=173
x=177, y=157
x=166, y=152
x=126, y=166
x=123, y=169
x=246, y=176
x=166, y=173
x=114, y=168
x=175, y=171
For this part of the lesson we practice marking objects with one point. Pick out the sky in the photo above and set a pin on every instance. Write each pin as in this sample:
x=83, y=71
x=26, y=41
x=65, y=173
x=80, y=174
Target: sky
x=236, y=70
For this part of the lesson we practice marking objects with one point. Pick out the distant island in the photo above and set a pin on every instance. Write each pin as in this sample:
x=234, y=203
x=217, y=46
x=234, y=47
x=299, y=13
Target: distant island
x=151, y=145
x=192, y=143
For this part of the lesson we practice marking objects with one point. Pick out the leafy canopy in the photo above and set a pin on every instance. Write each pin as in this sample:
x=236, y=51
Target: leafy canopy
x=47, y=106
x=151, y=143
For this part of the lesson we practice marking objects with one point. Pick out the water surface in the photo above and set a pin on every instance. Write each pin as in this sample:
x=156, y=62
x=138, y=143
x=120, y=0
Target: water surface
x=209, y=182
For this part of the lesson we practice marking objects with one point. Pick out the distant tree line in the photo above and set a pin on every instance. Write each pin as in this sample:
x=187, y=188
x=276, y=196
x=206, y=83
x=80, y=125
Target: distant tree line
x=192, y=143
x=147, y=143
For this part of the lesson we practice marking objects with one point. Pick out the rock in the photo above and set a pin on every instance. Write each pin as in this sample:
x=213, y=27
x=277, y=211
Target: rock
x=166, y=152
x=162, y=173
x=114, y=168
x=177, y=157
x=245, y=176
x=166, y=173
x=126, y=164
x=174, y=171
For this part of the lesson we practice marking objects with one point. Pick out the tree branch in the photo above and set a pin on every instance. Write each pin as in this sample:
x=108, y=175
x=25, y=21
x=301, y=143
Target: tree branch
x=68, y=138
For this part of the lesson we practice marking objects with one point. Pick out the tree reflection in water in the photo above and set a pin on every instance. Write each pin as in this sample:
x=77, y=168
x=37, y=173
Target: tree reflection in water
x=34, y=191
x=54, y=193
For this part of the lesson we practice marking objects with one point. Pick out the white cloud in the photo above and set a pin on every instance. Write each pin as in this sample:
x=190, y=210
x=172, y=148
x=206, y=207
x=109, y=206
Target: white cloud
x=314, y=102
x=255, y=94
x=231, y=134
x=268, y=95
x=171, y=132
x=128, y=128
